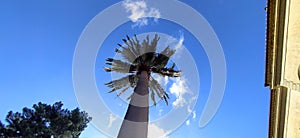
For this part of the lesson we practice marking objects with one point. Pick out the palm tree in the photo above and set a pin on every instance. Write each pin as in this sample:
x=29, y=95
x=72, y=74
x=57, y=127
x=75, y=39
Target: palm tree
x=140, y=61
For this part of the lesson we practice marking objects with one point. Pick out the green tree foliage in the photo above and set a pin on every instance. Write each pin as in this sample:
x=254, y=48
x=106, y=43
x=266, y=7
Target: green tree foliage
x=2, y=129
x=45, y=121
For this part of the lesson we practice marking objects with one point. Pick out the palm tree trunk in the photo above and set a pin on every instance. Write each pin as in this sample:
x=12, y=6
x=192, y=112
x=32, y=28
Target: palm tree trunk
x=135, y=123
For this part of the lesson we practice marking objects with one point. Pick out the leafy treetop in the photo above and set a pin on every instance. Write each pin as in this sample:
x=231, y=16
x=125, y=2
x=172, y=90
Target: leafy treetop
x=45, y=121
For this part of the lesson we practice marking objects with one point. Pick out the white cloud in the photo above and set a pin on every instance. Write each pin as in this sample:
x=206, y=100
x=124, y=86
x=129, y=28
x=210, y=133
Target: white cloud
x=178, y=88
x=166, y=81
x=156, y=132
x=189, y=109
x=194, y=115
x=112, y=118
x=179, y=102
x=139, y=11
x=160, y=112
x=157, y=78
x=91, y=132
x=187, y=122
x=179, y=45
x=161, y=80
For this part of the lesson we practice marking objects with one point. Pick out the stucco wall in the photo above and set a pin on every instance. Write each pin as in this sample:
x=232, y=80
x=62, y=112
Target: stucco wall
x=293, y=43
x=291, y=79
x=293, y=124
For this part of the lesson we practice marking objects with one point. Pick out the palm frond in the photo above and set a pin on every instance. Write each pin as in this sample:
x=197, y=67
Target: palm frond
x=131, y=47
x=118, y=51
x=145, y=45
x=107, y=69
x=146, y=59
x=170, y=72
x=123, y=91
x=166, y=100
x=133, y=79
x=153, y=97
x=121, y=83
x=119, y=66
x=168, y=51
x=156, y=87
x=152, y=46
x=141, y=56
x=127, y=53
x=163, y=58
x=138, y=46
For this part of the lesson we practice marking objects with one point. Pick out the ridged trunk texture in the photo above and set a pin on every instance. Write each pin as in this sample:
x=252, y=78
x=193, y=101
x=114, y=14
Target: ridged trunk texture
x=135, y=123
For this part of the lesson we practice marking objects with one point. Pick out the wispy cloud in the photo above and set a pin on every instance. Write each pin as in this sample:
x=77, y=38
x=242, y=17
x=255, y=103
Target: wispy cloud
x=179, y=44
x=191, y=111
x=139, y=11
x=194, y=115
x=187, y=122
x=179, y=88
x=156, y=132
x=166, y=81
x=111, y=120
x=160, y=112
x=163, y=81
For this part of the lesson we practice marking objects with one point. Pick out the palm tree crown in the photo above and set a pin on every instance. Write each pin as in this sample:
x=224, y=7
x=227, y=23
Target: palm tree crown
x=141, y=57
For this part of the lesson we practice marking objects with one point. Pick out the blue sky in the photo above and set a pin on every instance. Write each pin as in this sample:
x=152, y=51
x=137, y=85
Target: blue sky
x=38, y=40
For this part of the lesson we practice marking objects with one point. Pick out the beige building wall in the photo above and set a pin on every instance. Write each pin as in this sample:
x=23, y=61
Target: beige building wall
x=290, y=74
x=292, y=43
x=282, y=67
x=293, y=116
